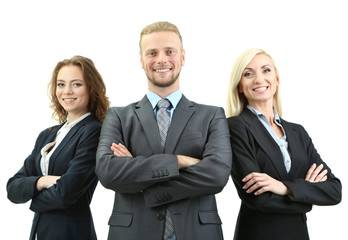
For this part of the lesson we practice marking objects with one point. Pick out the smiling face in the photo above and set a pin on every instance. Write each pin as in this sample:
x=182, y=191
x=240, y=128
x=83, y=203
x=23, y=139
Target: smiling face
x=72, y=91
x=259, y=81
x=162, y=58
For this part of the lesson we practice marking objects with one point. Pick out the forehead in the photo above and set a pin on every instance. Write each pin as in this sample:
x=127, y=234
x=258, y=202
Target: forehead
x=70, y=72
x=160, y=40
x=260, y=60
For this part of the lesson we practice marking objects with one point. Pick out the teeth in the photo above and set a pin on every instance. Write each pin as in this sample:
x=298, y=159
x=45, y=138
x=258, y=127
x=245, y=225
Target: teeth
x=162, y=70
x=260, y=89
x=68, y=99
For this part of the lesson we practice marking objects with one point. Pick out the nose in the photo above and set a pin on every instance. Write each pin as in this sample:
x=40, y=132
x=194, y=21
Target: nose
x=68, y=89
x=162, y=57
x=259, y=78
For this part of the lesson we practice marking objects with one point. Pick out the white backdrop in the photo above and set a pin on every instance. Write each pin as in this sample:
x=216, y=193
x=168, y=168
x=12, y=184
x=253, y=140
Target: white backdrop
x=307, y=39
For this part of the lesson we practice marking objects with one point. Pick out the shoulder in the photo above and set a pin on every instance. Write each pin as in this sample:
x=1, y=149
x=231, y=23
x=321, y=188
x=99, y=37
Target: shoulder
x=292, y=126
x=244, y=120
x=90, y=124
x=206, y=108
x=50, y=130
x=128, y=108
x=121, y=113
x=237, y=125
x=236, y=120
x=296, y=130
x=88, y=127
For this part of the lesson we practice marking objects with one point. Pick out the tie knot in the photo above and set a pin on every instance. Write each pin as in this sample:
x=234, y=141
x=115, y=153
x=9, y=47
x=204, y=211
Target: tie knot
x=163, y=103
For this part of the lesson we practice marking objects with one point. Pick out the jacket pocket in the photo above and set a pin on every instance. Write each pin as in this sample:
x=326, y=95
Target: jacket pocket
x=121, y=219
x=209, y=218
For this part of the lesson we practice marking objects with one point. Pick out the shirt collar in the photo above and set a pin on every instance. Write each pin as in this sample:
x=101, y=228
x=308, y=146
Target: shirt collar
x=258, y=113
x=72, y=124
x=174, y=98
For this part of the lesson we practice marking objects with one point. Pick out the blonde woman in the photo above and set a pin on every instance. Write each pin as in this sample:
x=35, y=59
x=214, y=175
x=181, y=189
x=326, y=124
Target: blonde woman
x=277, y=171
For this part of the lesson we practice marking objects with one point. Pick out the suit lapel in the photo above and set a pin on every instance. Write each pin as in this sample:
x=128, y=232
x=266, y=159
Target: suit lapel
x=294, y=145
x=65, y=140
x=181, y=116
x=52, y=132
x=266, y=142
x=146, y=116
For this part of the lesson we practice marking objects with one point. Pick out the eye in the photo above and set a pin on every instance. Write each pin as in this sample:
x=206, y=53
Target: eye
x=171, y=52
x=151, y=54
x=267, y=70
x=60, y=84
x=77, y=84
x=247, y=74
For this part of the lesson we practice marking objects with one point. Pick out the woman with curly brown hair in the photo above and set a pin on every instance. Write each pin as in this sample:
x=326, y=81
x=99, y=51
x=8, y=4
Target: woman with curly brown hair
x=58, y=176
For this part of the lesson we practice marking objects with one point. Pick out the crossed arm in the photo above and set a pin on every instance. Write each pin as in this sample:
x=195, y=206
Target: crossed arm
x=46, y=182
x=259, y=190
x=261, y=182
x=120, y=150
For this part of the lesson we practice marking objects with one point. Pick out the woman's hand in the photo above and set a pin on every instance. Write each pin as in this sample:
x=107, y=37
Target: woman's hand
x=45, y=182
x=315, y=174
x=120, y=150
x=261, y=182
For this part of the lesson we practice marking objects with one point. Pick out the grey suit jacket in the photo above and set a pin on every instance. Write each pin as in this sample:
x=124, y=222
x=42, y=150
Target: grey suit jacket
x=151, y=181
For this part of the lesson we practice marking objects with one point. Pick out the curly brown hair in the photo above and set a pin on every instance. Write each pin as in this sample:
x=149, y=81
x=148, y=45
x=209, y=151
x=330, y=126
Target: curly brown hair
x=98, y=103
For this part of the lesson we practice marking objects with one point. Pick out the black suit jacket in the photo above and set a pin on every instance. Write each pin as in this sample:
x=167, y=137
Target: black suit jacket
x=270, y=216
x=151, y=181
x=61, y=211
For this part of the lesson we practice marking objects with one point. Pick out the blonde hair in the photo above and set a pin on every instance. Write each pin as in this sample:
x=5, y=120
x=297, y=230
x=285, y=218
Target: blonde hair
x=236, y=101
x=98, y=101
x=160, y=27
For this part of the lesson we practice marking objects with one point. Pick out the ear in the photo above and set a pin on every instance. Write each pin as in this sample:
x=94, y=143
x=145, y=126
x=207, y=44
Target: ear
x=183, y=57
x=240, y=89
x=141, y=60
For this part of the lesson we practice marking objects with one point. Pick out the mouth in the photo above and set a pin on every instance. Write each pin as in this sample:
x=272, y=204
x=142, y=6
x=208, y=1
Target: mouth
x=162, y=70
x=260, y=89
x=68, y=100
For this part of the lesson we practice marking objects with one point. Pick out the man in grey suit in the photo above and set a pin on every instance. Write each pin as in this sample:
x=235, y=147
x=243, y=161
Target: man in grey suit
x=165, y=181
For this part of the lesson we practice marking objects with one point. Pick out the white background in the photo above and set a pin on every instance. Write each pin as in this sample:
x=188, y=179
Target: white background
x=308, y=40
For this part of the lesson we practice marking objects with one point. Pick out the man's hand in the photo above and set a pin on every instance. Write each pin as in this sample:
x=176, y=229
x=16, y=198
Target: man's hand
x=120, y=150
x=185, y=161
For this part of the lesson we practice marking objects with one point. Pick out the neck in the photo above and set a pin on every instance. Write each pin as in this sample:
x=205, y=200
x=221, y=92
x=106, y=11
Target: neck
x=72, y=117
x=163, y=92
x=266, y=108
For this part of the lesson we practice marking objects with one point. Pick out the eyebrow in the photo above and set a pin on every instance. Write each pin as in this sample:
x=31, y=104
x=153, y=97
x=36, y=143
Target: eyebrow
x=156, y=49
x=74, y=80
x=266, y=65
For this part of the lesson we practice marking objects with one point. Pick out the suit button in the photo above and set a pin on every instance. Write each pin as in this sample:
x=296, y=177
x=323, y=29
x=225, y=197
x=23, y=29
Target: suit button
x=160, y=217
